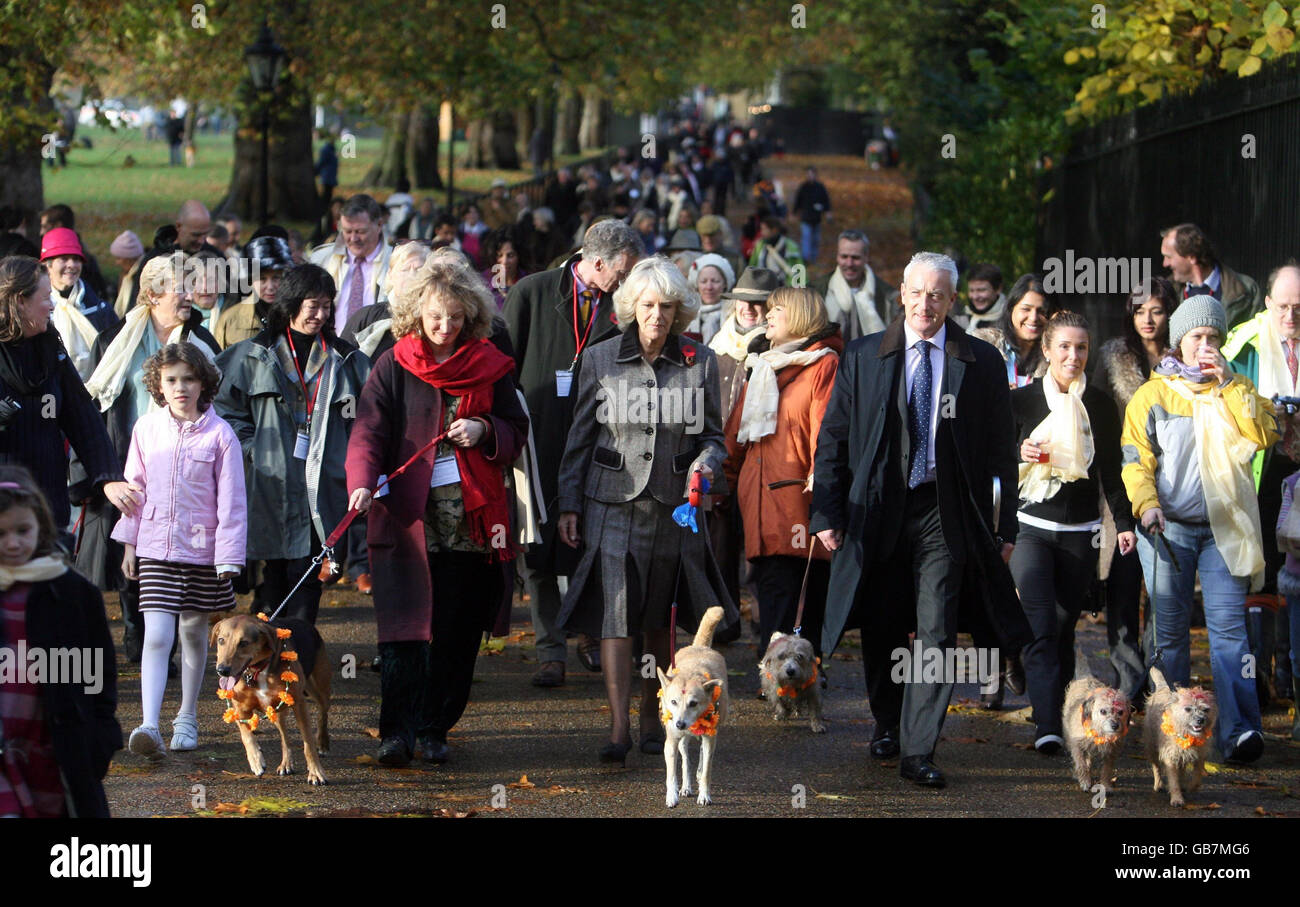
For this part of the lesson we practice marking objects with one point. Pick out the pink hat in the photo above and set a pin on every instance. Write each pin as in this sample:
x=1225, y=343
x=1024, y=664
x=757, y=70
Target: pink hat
x=127, y=245
x=60, y=241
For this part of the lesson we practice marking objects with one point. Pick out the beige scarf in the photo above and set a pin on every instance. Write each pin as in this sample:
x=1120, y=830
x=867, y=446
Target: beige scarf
x=1070, y=433
x=37, y=570
x=75, y=328
x=762, y=394
x=106, y=384
x=844, y=306
x=1274, y=376
x=124, y=291
x=729, y=341
x=1226, y=481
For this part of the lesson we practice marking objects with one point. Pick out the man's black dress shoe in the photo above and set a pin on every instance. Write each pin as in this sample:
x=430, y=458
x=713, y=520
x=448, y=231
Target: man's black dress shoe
x=1015, y=675
x=885, y=746
x=922, y=771
x=394, y=752
x=615, y=752
x=433, y=750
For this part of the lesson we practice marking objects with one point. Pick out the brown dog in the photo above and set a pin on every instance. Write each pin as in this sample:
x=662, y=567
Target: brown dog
x=1096, y=719
x=265, y=668
x=1178, y=729
x=790, y=678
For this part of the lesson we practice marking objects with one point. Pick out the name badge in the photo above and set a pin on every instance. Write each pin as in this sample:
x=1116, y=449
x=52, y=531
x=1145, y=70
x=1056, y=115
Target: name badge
x=382, y=490
x=300, y=446
x=445, y=472
x=563, y=382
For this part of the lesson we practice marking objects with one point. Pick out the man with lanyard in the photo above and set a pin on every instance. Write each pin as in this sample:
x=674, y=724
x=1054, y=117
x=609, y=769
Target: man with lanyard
x=552, y=317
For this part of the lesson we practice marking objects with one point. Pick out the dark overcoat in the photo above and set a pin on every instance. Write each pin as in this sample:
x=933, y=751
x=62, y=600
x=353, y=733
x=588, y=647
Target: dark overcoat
x=860, y=479
x=539, y=316
x=397, y=415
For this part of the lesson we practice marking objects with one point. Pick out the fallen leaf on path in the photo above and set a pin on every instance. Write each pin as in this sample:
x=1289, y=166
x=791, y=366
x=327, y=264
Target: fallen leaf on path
x=522, y=784
x=1202, y=806
x=821, y=796
x=364, y=760
x=372, y=732
x=558, y=789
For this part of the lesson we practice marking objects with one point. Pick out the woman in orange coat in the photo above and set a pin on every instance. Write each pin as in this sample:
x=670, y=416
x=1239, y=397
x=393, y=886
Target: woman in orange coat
x=771, y=441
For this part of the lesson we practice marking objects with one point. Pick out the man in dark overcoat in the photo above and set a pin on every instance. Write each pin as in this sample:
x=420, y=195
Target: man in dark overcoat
x=918, y=427
x=552, y=317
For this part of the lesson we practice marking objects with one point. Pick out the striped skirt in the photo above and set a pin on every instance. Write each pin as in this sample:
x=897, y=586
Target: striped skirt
x=171, y=587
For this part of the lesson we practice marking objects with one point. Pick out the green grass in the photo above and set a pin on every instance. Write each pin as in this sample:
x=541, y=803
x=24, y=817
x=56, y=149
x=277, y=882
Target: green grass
x=109, y=197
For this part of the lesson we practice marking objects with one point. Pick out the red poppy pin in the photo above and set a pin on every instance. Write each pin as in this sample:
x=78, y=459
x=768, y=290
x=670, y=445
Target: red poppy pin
x=688, y=354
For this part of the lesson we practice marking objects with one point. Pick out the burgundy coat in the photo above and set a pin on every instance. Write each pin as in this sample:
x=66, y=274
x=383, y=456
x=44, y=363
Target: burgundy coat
x=397, y=415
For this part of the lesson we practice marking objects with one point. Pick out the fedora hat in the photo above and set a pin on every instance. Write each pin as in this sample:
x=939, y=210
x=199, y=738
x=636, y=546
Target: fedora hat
x=755, y=285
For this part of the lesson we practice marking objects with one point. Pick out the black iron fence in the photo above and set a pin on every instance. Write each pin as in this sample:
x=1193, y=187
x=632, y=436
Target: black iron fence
x=1225, y=158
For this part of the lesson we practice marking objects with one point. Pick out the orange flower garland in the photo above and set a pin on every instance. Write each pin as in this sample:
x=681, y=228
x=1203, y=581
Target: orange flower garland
x=706, y=724
x=1186, y=741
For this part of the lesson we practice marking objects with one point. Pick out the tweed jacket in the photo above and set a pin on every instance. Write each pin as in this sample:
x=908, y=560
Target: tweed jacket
x=641, y=428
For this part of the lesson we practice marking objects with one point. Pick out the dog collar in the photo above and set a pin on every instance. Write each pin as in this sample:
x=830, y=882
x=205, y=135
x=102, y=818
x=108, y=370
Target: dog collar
x=1186, y=741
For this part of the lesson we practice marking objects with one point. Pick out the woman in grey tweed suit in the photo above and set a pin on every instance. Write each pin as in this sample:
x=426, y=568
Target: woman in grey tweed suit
x=646, y=417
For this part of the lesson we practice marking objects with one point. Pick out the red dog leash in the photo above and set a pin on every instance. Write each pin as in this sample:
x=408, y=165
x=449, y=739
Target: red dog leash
x=327, y=550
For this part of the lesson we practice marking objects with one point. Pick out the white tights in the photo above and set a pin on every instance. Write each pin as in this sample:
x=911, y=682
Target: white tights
x=159, y=633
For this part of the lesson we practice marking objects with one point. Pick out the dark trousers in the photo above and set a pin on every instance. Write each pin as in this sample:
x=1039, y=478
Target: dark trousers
x=278, y=577
x=1124, y=624
x=128, y=594
x=425, y=686
x=727, y=541
x=1270, y=505
x=777, y=579
x=1053, y=573
x=923, y=584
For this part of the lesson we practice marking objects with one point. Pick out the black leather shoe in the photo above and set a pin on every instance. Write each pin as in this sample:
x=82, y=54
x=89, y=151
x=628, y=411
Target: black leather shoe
x=993, y=701
x=433, y=750
x=920, y=770
x=885, y=746
x=394, y=752
x=1015, y=676
x=615, y=752
x=653, y=746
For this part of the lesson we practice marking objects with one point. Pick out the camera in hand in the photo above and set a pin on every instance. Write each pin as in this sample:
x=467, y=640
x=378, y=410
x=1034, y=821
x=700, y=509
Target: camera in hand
x=9, y=407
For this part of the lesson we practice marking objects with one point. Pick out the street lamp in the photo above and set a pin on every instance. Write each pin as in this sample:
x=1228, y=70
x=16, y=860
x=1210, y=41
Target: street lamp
x=265, y=64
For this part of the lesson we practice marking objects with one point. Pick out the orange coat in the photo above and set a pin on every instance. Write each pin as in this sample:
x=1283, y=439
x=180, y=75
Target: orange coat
x=770, y=476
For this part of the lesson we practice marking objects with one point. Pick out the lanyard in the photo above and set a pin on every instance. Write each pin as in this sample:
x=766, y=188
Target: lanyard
x=579, y=344
x=310, y=396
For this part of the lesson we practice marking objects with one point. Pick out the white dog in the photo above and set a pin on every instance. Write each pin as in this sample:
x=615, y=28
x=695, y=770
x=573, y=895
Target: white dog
x=693, y=703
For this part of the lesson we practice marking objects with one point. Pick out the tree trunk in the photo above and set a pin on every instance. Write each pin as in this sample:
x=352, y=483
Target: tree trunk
x=20, y=159
x=292, y=184
x=391, y=165
x=422, y=139
x=191, y=119
x=570, y=121
x=504, y=154
x=595, y=120
x=478, y=141
x=525, y=121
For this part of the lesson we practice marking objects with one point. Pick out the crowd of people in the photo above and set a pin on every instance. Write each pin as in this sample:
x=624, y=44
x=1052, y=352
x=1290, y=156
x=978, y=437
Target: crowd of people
x=529, y=394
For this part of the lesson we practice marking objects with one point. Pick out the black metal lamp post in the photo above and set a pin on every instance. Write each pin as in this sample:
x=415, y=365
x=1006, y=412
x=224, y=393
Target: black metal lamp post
x=265, y=64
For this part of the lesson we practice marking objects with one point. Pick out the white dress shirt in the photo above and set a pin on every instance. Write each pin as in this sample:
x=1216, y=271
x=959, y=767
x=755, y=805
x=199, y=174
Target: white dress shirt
x=913, y=362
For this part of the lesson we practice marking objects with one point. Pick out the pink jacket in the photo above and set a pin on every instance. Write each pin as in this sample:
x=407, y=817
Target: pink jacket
x=195, y=508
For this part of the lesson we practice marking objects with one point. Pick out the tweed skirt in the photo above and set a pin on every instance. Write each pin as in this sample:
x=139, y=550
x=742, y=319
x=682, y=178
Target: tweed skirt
x=172, y=587
x=635, y=562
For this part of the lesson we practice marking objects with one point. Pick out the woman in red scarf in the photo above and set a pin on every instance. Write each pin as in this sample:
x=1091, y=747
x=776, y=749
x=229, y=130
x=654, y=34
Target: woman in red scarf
x=440, y=536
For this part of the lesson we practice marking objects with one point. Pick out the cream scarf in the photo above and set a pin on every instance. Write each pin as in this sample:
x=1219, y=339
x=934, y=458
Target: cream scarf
x=36, y=570
x=862, y=307
x=76, y=330
x=1274, y=376
x=762, y=394
x=106, y=384
x=1070, y=433
x=729, y=341
x=1230, y=500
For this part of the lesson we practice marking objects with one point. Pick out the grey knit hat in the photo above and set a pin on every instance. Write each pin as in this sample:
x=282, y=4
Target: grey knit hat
x=1197, y=312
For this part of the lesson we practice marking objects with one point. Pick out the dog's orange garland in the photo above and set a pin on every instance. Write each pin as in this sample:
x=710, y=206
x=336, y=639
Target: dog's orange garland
x=790, y=690
x=230, y=716
x=1186, y=741
x=1103, y=739
x=707, y=724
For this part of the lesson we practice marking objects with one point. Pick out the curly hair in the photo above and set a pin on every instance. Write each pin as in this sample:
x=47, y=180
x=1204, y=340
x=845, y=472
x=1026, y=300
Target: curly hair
x=19, y=489
x=191, y=355
x=447, y=276
x=19, y=277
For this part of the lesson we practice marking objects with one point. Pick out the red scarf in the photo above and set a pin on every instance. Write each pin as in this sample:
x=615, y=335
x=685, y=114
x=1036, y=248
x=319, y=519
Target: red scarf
x=469, y=374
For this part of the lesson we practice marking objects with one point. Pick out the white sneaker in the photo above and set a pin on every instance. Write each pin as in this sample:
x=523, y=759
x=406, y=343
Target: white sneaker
x=185, y=733
x=146, y=741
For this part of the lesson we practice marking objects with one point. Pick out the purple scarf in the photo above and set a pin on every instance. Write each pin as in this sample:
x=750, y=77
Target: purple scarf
x=1172, y=365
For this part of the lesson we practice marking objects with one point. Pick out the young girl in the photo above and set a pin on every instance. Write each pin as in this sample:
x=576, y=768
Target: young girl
x=187, y=538
x=51, y=769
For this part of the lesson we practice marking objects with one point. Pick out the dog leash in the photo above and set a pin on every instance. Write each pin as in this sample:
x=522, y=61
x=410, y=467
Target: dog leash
x=327, y=550
x=803, y=589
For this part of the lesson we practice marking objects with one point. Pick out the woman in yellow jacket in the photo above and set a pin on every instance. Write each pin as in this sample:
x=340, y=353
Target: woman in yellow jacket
x=1189, y=435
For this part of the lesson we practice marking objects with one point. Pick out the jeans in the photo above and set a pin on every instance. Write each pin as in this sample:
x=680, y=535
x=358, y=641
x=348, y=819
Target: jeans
x=810, y=238
x=1224, y=598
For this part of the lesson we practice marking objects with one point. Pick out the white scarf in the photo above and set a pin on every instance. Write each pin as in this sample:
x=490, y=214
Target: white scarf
x=708, y=322
x=369, y=336
x=856, y=314
x=106, y=384
x=729, y=341
x=75, y=328
x=37, y=570
x=1070, y=433
x=1226, y=482
x=763, y=395
x=1274, y=376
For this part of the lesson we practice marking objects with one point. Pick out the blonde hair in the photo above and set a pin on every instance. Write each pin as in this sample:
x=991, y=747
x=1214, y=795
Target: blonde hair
x=159, y=274
x=448, y=276
x=661, y=276
x=805, y=311
x=397, y=262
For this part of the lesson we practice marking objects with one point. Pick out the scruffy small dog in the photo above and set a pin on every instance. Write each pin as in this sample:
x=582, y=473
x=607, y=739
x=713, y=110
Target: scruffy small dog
x=1096, y=720
x=693, y=703
x=1179, y=726
x=791, y=679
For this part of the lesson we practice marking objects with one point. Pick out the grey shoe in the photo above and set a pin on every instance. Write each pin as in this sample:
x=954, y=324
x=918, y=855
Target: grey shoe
x=147, y=742
x=185, y=734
